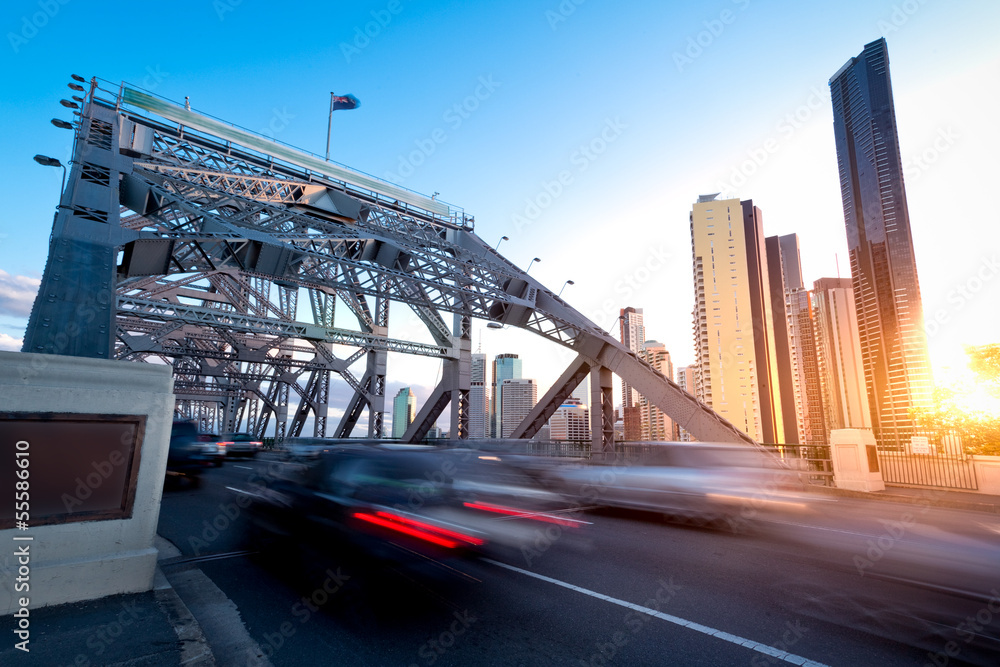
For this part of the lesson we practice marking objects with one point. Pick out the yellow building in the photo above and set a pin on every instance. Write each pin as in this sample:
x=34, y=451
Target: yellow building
x=736, y=368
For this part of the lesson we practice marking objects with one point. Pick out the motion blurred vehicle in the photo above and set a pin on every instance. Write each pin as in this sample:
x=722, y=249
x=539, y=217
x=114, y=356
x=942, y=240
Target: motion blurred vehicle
x=305, y=450
x=186, y=457
x=697, y=482
x=211, y=448
x=240, y=444
x=398, y=502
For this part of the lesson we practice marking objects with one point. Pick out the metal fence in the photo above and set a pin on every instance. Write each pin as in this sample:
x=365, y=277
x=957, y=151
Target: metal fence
x=940, y=463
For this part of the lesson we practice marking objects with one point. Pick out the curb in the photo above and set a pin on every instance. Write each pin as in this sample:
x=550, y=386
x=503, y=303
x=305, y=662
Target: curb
x=195, y=649
x=927, y=497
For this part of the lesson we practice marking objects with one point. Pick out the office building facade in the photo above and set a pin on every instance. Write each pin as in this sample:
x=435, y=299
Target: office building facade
x=478, y=399
x=519, y=397
x=883, y=265
x=404, y=410
x=505, y=367
x=570, y=422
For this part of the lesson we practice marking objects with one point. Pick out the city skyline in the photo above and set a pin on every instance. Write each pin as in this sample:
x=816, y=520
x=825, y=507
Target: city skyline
x=777, y=149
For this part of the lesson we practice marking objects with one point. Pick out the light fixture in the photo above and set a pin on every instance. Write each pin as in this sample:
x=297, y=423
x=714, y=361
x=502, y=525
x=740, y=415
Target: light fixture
x=77, y=77
x=59, y=122
x=535, y=259
x=75, y=86
x=69, y=105
x=494, y=325
x=47, y=161
x=502, y=239
x=568, y=282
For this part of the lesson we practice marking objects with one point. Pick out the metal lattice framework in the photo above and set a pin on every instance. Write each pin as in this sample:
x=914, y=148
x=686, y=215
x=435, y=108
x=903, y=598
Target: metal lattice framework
x=180, y=239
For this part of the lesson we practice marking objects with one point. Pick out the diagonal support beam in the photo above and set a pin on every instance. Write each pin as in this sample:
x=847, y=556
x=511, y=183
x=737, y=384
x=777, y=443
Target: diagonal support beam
x=570, y=379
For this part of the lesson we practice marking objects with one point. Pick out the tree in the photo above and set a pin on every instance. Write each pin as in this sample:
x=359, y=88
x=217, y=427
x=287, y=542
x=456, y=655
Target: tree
x=970, y=410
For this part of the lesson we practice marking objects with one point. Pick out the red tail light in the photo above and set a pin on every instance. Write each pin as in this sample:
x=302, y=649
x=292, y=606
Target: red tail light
x=425, y=531
x=510, y=511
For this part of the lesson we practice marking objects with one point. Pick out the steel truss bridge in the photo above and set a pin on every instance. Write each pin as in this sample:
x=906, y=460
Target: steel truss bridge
x=181, y=239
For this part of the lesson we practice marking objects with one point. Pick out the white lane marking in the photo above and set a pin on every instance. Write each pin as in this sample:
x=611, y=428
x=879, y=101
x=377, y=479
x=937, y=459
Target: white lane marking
x=676, y=620
x=243, y=467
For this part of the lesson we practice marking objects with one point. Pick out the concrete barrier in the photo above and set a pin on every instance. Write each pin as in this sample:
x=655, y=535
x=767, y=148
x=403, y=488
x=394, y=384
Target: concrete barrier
x=987, y=470
x=855, y=461
x=72, y=560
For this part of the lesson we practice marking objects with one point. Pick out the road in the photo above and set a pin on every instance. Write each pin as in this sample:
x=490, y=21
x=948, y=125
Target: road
x=631, y=590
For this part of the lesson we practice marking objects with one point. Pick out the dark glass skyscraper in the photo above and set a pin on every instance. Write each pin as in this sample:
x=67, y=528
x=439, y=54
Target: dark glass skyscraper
x=883, y=267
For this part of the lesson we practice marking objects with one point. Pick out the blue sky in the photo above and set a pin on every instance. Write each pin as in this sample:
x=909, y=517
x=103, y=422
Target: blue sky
x=638, y=107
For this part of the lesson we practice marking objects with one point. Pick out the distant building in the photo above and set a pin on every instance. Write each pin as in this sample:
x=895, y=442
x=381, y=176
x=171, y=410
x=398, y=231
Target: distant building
x=883, y=265
x=478, y=399
x=633, y=334
x=404, y=409
x=571, y=421
x=734, y=339
x=656, y=425
x=839, y=359
x=805, y=366
x=519, y=397
x=505, y=367
x=795, y=347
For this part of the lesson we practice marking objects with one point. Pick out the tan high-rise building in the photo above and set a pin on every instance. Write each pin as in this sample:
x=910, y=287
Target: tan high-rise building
x=734, y=340
x=656, y=426
x=838, y=351
x=633, y=334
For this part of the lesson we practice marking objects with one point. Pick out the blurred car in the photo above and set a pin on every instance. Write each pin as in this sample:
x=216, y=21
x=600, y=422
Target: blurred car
x=211, y=448
x=306, y=449
x=701, y=482
x=401, y=501
x=240, y=444
x=186, y=456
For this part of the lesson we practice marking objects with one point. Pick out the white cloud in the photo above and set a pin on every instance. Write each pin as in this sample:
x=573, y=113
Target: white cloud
x=10, y=343
x=17, y=294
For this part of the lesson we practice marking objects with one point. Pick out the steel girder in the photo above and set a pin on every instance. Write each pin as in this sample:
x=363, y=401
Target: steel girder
x=219, y=230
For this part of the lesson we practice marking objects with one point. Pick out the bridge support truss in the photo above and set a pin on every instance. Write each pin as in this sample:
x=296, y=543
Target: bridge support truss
x=180, y=239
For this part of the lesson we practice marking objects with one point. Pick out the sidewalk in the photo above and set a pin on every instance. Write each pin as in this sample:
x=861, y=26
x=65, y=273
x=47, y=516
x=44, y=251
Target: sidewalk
x=141, y=629
x=943, y=498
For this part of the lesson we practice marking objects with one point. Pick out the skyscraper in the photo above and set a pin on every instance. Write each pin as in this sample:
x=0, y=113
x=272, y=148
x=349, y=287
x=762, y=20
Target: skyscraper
x=478, y=398
x=633, y=335
x=736, y=368
x=784, y=274
x=505, y=367
x=795, y=346
x=404, y=409
x=519, y=397
x=883, y=265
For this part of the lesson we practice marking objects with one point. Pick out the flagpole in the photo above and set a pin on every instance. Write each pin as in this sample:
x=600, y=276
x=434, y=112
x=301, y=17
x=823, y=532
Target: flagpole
x=329, y=124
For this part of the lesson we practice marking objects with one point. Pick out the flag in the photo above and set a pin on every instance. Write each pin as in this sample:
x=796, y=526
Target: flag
x=345, y=102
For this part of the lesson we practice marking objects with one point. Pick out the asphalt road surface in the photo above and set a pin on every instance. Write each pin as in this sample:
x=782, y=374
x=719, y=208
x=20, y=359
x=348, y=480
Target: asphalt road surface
x=863, y=583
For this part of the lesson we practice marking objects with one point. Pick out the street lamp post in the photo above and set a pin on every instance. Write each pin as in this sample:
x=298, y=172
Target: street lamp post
x=47, y=161
x=568, y=282
x=502, y=239
x=535, y=259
